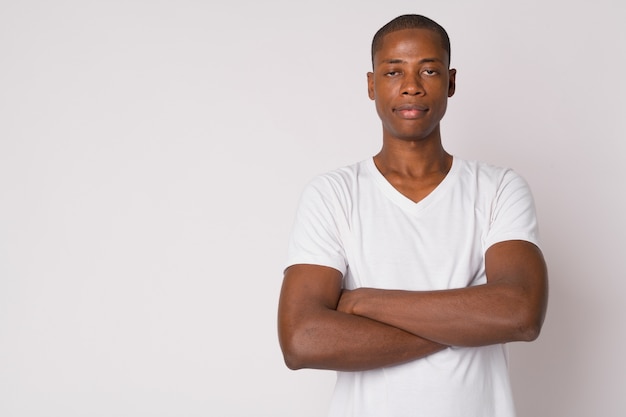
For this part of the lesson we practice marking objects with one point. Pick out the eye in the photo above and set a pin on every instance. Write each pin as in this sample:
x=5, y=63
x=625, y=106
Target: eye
x=392, y=73
x=430, y=72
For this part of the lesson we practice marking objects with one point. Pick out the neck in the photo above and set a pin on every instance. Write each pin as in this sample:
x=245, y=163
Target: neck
x=413, y=159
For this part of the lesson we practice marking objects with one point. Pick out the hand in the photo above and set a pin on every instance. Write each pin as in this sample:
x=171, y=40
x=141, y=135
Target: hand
x=345, y=304
x=350, y=298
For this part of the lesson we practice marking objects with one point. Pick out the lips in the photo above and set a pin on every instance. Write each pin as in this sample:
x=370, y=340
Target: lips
x=410, y=111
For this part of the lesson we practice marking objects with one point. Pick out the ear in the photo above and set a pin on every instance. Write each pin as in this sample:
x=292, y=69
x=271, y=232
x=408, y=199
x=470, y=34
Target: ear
x=370, y=85
x=452, y=82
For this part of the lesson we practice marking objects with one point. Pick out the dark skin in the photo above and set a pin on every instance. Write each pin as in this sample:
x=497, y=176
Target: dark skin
x=322, y=326
x=410, y=85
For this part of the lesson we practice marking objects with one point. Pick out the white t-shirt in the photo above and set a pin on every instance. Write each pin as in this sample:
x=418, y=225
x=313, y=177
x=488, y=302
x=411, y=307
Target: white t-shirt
x=352, y=219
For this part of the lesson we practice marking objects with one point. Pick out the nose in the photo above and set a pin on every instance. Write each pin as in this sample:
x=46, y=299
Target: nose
x=412, y=85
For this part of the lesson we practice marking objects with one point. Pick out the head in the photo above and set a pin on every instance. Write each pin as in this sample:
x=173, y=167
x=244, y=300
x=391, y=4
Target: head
x=410, y=21
x=411, y=79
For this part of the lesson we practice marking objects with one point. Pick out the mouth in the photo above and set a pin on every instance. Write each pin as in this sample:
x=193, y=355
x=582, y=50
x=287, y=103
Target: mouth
x=410, y=111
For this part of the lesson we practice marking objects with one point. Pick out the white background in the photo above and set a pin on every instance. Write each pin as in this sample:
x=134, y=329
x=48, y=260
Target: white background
x=151, y=158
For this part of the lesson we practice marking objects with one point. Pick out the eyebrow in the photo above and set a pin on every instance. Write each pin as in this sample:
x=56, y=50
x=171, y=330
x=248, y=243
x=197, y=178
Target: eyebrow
x=402, y=61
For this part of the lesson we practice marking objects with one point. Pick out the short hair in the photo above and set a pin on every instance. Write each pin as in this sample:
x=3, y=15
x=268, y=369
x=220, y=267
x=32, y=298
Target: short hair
x=410, y=21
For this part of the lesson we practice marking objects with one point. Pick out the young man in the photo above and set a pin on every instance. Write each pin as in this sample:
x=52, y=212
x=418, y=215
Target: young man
x=408, y=272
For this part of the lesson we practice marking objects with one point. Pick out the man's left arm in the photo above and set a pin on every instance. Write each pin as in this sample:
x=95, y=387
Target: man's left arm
x=511, y=306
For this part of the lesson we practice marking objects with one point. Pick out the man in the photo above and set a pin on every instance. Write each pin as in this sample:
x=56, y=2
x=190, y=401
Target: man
x=409, y=272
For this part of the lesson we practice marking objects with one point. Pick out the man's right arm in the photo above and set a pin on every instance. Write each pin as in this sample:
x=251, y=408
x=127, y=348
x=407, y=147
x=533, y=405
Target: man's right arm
x=313, y=334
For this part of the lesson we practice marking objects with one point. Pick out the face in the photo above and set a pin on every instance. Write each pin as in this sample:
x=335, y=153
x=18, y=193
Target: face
x=411, y=84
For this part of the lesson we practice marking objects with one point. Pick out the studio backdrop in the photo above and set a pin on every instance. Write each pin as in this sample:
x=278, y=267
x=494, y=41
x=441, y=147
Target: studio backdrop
x=152, y=154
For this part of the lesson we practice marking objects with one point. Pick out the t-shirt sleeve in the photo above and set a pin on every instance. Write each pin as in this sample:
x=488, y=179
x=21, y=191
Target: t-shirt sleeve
x=513, y=214
x=315, y=237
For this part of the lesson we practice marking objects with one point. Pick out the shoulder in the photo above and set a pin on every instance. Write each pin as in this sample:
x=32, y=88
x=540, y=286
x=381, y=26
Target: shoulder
x=337, y=183
x=481, y=169
x=485, y=174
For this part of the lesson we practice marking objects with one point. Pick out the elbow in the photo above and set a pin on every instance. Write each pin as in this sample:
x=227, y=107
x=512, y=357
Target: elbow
x=305, y=347
x=291, y=356
x=526, y=319
x=292, y=361
x=529, y=333
x=294, y=351
x=528, y=328
x=302, y=341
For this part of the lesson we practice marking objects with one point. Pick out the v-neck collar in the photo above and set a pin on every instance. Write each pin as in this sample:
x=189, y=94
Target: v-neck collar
x=403, y=201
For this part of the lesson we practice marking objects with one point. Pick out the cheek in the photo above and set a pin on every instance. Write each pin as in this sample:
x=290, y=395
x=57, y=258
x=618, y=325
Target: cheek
x=443, y=107
x=383, y=113
x=379, y=108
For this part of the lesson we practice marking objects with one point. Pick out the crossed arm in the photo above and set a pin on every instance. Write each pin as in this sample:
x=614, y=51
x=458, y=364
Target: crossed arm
x=320, y=326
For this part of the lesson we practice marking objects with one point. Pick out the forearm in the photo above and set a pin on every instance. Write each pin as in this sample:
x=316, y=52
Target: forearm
x=474, y=316
x=345, y=342
x=510, y=307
